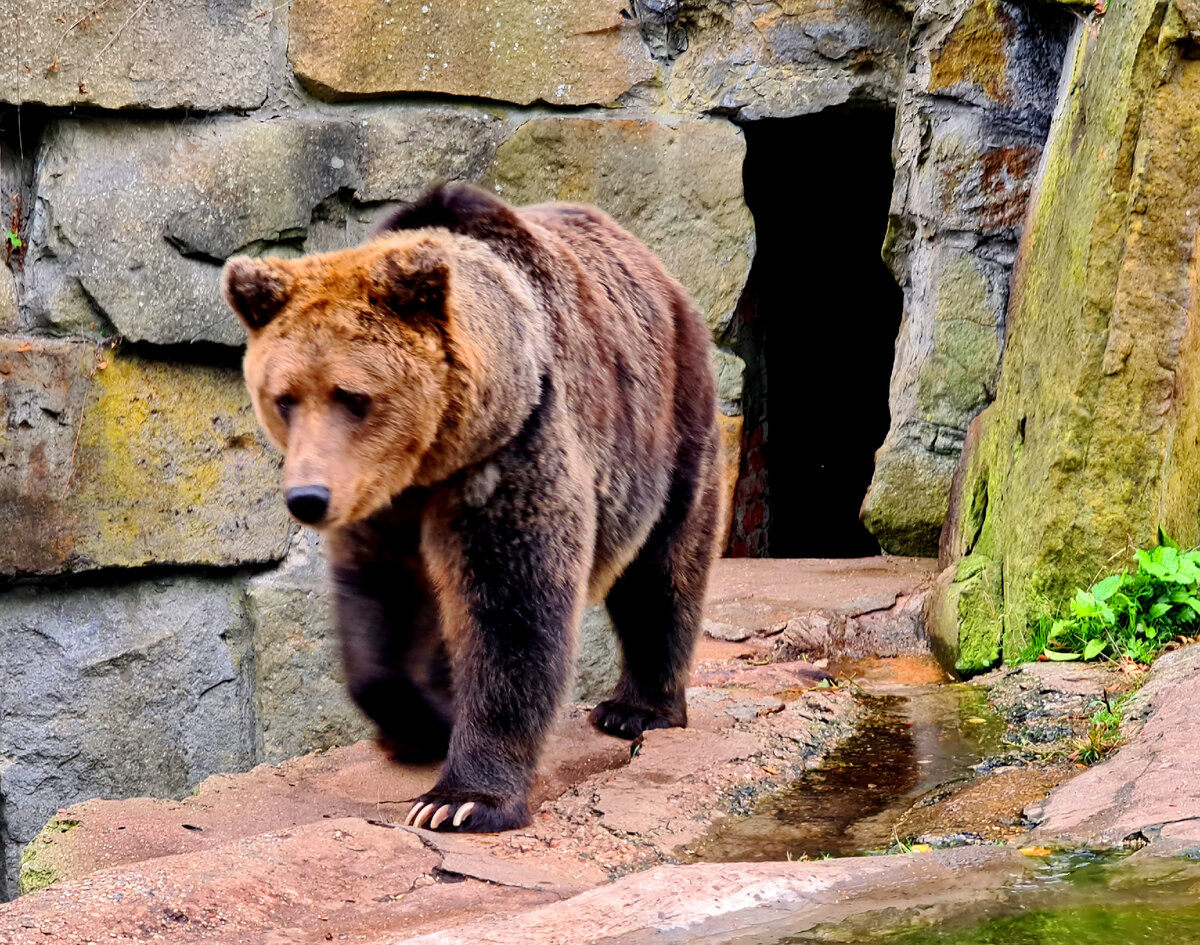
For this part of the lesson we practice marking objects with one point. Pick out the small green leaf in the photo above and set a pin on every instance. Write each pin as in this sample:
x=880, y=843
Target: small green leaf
x=1093, y=649
x=1059, y=657
x=1106, y=588
x=1159, y=610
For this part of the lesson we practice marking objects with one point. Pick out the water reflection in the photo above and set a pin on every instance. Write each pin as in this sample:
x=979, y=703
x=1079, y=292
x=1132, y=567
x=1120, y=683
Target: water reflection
x=907, y=745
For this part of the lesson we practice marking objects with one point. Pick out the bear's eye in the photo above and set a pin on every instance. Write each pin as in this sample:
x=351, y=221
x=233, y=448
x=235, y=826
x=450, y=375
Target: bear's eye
x=356, y=404
x=284, y=404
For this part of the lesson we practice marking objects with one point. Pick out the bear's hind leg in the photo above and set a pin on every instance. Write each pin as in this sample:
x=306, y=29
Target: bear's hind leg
x=656, y=607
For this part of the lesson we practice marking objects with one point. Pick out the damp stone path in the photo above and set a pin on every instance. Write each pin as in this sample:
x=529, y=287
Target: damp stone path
x=311, y=850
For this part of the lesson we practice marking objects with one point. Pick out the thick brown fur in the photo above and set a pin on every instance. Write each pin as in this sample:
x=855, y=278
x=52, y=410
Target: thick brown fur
x=494, y=415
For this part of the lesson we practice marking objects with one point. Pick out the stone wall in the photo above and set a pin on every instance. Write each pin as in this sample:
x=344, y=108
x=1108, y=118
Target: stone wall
x=974, y=113
x=161, y=618
x=1093, y=439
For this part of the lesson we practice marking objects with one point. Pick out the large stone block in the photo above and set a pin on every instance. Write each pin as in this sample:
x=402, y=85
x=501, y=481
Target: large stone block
x=118, y=691
x=970, y=127
x=136, y=54
x=407, y=148
x=678, y=187
x=300, y=698
x=134, y=218
x=598, y=658
x=108, y=459
x=1092, y=440
x=8, y=299
x=790, y=58
x=519, y=51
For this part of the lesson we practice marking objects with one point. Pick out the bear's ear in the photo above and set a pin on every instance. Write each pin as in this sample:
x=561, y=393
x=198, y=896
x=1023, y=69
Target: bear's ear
x=410, y=283
x=256, y=289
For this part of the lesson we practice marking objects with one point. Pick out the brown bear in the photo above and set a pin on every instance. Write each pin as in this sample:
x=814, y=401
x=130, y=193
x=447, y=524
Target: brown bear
x=494, y=415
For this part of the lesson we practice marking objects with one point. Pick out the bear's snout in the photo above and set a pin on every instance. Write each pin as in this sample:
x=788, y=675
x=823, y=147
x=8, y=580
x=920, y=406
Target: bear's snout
x=308, y=503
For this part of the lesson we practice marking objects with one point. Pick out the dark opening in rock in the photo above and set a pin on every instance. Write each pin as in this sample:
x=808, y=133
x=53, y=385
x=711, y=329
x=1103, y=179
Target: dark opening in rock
x=817, y=330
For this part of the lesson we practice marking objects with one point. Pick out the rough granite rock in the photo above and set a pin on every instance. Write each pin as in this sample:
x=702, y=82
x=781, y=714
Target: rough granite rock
x=1092, y=440
x=678, y=187
x=118, y=690
x=598, y=658
x=718, y=903
x=134, y=219
x=580, y=53
x=109, y=459
x=135, y=54
x=8, y=299
x=300, y=698
x=972, y=120
x=777, y=60
x=1148, y=792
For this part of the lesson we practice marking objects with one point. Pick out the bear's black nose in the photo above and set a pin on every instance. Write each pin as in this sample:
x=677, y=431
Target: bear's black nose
x=308, y=503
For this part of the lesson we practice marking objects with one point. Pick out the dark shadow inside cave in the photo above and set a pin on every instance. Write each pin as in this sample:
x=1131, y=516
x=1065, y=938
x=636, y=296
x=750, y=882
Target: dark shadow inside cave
x=817, y=328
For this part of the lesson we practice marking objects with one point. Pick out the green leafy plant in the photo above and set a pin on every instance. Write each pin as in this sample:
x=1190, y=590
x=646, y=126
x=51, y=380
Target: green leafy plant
x=13, y=240
x=1104, y=730
x=1132, y=616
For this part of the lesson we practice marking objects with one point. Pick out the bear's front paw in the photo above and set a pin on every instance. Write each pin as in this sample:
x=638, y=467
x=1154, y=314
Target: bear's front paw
x=476, y=813
x=629, y=721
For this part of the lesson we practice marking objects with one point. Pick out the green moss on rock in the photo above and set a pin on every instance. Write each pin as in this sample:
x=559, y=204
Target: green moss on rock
x=1093, y=438
x=36, y=870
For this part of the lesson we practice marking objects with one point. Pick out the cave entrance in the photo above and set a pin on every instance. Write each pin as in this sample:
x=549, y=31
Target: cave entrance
x=817, y=329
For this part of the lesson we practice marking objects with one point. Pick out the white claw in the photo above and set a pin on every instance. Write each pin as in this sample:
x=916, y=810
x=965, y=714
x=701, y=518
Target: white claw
x=412, y=813
x=424, y=815
x=442, y=814
x=461, y=815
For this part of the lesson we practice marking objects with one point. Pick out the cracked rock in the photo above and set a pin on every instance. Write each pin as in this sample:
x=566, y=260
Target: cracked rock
x=133, y=219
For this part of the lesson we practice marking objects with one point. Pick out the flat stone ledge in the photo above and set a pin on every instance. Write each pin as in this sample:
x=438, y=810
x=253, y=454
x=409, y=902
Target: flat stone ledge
x=519, y=51
x=133, y=54
x=822, y=607
x=1148, y=793
x=705, y=904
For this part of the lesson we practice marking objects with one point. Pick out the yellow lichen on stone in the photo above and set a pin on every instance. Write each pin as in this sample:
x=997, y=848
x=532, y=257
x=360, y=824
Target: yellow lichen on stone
x=975, y=52
x=168, y=457
x=35, y=872
x=132, y=461
x=1092, y=440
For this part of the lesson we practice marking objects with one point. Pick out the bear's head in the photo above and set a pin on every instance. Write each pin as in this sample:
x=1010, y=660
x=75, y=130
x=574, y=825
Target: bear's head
x=353, y=367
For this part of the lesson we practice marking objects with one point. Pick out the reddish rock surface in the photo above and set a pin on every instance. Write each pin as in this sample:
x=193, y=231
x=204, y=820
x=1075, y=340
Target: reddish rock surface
x=822, y=607
x=753, y=902
x=294, y=852
x=1148, y=792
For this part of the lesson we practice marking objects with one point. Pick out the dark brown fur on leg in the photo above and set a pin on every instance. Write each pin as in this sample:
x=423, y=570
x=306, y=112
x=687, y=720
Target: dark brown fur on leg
x=513, y=566
x=656, y=607
x=389, y=627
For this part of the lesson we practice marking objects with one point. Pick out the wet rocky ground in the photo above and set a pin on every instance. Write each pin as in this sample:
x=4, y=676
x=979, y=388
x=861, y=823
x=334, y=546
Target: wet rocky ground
x=785, y=759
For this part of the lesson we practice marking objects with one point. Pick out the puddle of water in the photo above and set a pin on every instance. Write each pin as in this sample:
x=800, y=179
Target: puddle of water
x=1074, y=901
x=906, y=746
